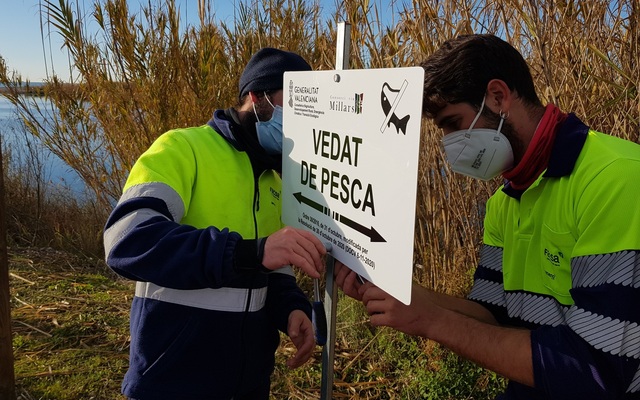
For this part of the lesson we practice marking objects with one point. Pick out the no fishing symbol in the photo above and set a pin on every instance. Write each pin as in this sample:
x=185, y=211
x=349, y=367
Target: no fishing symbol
x=389, y=107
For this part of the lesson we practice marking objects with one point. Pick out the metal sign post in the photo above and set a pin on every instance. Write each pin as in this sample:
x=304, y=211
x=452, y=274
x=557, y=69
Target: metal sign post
x=343, y=48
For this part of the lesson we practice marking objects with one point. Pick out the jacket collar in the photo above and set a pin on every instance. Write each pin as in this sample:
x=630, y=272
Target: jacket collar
x=226, y=124
x=564, y=154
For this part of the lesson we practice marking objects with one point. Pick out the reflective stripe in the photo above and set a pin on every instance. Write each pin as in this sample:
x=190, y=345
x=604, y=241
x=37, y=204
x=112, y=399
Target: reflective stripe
x=489, y=292
x=491, y=257
x=531, y=307
x=125, y=225
x=635, y=384
x=604, y=333
x=157, y=190
x=223, y=299
x=618, y=268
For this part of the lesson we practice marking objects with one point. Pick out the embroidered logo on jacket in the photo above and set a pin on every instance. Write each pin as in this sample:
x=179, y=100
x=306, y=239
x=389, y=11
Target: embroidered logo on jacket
x=553, y=258
x=275, y=193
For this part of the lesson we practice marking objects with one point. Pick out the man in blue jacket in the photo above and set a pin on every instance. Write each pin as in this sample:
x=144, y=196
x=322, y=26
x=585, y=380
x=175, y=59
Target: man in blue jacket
x=198, y=228
x=555, y=305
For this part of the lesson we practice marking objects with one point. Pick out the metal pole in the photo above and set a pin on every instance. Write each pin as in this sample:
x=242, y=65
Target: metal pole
x=330, y=302
x=343, y=44
x=7, y=377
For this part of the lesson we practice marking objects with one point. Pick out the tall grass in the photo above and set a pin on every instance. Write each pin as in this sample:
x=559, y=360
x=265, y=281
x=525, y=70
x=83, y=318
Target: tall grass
x=141, y=74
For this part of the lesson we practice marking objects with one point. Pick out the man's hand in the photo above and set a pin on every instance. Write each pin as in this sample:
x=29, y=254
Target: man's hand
x=384, y=310
x=347, y=280
x=471, y=338
x=300, y=330
x=297, y=247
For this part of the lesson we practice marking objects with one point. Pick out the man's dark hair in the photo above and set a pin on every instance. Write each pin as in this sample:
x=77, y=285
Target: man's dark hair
x=459, y=71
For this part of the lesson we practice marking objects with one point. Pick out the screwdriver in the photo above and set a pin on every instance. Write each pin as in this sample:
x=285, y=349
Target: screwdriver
x=319, y=318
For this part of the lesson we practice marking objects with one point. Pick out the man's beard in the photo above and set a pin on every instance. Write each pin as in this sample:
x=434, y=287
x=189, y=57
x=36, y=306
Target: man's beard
x=264, y=110
x=492, y=120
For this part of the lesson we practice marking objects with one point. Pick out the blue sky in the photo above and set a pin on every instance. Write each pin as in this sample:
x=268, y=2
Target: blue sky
x=21, y=40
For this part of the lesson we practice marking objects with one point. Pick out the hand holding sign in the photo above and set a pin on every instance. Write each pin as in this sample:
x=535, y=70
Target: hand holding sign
x=291, y=246
x=347, y=280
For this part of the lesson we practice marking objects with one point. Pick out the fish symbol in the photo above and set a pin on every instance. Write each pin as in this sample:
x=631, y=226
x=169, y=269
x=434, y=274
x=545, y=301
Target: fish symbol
x=389, y=109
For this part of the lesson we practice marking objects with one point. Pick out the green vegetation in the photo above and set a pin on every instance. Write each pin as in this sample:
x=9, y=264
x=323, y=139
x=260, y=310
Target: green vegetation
x=139, y=75
x=71, y=332
x=70, y=325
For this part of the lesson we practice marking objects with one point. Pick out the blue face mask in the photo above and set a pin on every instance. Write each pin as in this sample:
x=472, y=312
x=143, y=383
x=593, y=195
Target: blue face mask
x=270, y=132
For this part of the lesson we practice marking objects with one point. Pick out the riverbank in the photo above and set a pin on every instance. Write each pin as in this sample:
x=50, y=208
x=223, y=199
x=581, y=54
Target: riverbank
x=37, y=91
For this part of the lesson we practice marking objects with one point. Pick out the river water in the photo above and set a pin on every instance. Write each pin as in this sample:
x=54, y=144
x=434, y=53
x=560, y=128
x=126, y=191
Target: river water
x=55, y=172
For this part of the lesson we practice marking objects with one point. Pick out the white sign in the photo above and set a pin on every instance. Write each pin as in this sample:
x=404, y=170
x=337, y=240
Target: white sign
x=350, y=166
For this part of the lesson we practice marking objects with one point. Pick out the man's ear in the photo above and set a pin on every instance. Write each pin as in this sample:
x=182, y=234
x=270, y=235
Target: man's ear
x=499, y=96
x=254, y=98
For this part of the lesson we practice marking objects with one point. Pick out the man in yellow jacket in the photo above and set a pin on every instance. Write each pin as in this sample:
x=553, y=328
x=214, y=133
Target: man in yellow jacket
x=198, y=228
x=555, y=305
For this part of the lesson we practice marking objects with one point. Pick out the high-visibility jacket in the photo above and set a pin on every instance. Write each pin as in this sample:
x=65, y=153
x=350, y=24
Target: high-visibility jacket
x=562, y=258
x=204, y=317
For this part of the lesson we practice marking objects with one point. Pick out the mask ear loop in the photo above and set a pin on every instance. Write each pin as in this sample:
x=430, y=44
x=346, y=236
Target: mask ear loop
x=473, y=123
x=254, y=111
x=503, y=117
x=254, y=106
x=269, y=101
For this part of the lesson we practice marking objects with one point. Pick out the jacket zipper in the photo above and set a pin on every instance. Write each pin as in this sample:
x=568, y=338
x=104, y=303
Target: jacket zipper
x=256, y=208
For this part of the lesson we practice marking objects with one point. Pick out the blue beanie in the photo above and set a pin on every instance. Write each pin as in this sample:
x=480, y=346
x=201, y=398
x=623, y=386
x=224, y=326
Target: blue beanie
x=265, y=69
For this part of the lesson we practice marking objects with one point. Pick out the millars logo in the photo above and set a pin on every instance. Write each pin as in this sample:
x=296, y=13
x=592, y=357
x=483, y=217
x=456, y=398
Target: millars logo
x=350, y=105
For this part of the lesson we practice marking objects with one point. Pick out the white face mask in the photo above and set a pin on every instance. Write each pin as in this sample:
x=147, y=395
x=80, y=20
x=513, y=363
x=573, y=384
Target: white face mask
x=479, y=153
x=270, y=132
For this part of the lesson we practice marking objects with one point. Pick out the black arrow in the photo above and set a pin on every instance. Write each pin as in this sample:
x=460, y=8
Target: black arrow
x=373, y=235
x=316, y=206
x=371, y=232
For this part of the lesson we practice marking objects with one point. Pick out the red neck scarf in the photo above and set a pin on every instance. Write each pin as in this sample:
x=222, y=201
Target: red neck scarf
x=536, y=157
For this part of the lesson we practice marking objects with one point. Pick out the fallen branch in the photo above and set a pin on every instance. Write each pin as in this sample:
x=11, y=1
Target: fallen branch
x=11, y=274
x=33, y=327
